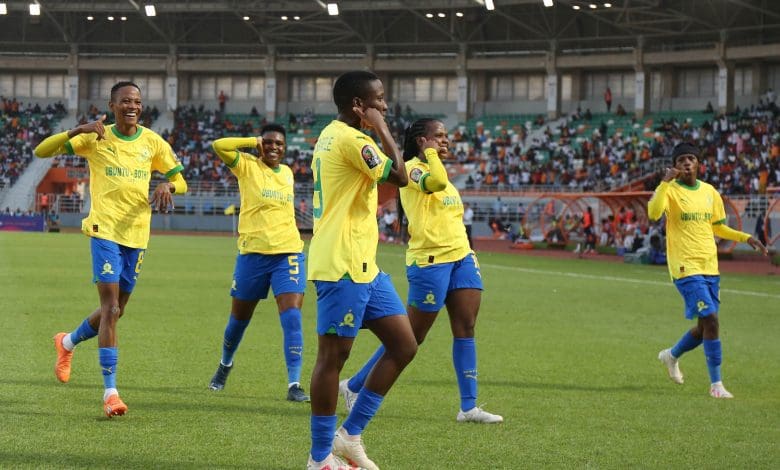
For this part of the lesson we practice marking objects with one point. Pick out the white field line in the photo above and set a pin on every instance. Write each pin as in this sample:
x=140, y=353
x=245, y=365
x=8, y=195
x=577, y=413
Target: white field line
x=615, y=279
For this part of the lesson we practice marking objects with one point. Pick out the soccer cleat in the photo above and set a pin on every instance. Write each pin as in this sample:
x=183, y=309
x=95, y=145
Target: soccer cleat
x=330, y=463
x=478, y=415
x=62, y=366
x=114, y=406
x=220, y=377
x=718, y=391
x=351, y=449
x=296, y=393
x=672, y=365
x=349, y=395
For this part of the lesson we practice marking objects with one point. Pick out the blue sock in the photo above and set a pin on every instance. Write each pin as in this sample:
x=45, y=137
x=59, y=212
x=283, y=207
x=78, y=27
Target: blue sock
x=366, y=406
x=686, y=343
x=234, y=331
x=108, y=359
x=83, y=332
x=713, y=354
x=293, y=343
x=464, y=358
x=322, y=430
x=356, y=382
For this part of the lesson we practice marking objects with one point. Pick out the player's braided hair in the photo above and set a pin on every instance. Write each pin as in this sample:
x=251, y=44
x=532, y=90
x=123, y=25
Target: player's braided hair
x=417, y=129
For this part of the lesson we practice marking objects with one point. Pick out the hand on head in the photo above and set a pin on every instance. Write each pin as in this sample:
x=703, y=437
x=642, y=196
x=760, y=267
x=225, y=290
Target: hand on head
x=428, y=144
x=370, y=118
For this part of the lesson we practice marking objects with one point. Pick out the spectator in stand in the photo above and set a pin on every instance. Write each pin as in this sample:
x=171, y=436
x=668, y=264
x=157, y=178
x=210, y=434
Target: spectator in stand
x=608, y=99
x=222, y=101
x=468, y=221
x=587, y=229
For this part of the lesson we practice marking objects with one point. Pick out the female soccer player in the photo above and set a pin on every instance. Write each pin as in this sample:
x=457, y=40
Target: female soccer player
x=440, y=266
x=270, y=250
x=351, y=290
x=121, y=159
x=694, y=217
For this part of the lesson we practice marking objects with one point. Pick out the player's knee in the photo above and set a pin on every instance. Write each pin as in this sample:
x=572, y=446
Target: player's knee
x=710, y=326
x=404, y=351
x=111, y=311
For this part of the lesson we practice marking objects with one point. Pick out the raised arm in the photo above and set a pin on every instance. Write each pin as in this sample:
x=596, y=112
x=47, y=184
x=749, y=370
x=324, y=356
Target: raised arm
x=226, y=147
x=55, y=144
x=657, y=204
x=437, y=178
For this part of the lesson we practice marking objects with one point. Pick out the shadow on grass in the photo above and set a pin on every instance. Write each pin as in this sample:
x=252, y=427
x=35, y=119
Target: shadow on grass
x=80, y=459
x=561, y=387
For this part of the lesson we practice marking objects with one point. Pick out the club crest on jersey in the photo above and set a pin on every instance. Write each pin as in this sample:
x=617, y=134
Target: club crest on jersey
x=370, y=156
x=144, y=156
x=415, y=175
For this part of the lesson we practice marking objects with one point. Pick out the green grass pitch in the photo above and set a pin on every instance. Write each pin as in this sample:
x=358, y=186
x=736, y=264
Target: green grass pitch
x=567, y=354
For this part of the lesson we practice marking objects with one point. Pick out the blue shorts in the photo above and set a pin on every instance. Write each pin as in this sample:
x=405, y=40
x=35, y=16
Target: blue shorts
x=701, y=295
x=255, y=273
x=112, y=263
x=429, y=285
x=344, y=305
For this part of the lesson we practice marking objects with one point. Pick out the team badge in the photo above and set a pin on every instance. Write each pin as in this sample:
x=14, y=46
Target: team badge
x=415, y=175
x=349, y=320
x=370, y=156
x=107, y=268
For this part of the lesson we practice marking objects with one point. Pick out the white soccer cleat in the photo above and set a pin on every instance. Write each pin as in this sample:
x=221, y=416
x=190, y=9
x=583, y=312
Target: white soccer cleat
x=717, y=390
x=331, y=462
x=478, y=415
x=672, y=365
x=349, y=395
x=351, y=449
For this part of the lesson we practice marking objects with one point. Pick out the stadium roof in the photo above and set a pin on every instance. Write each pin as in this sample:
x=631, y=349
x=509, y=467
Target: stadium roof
x=387, y=28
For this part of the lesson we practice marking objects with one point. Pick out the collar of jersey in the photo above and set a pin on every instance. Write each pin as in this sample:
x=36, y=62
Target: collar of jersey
x=128, y=138
x=696, y=186
x=275, y=170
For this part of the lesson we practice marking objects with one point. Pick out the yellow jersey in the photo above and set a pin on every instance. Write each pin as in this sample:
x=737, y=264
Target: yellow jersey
x=347, y=165
x=691, y=212
x=435, y=220
x=120, y=169
x=266, y=223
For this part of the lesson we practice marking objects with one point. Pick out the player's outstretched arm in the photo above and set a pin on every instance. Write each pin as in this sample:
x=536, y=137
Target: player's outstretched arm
x=54, y=144
x=724, y=231
x=226, y=148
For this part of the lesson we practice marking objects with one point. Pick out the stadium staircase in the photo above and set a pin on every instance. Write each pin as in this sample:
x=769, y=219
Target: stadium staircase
x=22, y=194
x=163, y=123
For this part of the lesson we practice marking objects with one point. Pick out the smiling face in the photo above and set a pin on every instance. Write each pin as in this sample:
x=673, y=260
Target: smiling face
x=126, y=105
x=438, y=133
x=688, y=165
x=274, y=146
